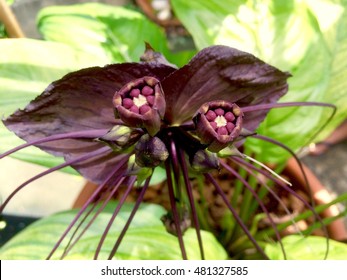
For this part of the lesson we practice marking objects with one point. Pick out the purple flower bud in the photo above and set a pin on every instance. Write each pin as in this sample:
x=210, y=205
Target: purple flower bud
x=151, y=56
x=218, y=123
x=141, y=103
x=120, y=136
x=204, y=161
x=150, y=151
x=168, y=221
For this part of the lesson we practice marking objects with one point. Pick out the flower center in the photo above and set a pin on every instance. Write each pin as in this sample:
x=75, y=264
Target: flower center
x=218, y=124
x=139, y=100
x=220, y=121
x=141, y=103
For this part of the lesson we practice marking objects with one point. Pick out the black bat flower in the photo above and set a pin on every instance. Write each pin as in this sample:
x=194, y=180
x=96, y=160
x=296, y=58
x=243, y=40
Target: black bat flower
x=111, y=123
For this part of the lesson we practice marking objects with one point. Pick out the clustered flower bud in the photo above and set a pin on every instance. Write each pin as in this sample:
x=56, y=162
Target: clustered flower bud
x=218, y=123
x=204, y=161
x=150, y=151
x=120, y=136
x=184, y=223
x=141, y=103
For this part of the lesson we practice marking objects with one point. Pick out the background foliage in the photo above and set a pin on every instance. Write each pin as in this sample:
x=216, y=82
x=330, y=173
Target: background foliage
x=307, y=38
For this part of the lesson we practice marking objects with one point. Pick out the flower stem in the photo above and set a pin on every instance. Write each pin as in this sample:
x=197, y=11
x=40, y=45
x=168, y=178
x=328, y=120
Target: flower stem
x=261, y=204
x=191, y=201
x=114, y=216
x=132, y=214
x=86, y=204
x=89, y=134
x=51, y=170
x=174, y=209
x=102, y=207
x=236, y=216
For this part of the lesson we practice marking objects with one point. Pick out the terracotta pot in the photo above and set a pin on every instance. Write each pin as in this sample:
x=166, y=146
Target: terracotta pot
x=320, y=194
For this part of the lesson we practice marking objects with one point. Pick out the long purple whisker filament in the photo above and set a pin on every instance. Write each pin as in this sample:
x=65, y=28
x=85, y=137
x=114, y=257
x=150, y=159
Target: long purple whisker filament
x=114, y=216
x=275, y=142
x=87, y=203
x=298, y=162
x=191, y=201
x=132, y=214
x=71, y=242
x=280, y=183
x=266, y=173
x=245, y=183
x=313, y=212
x=269, y=106
x=307, y=184
x=295, y=104
x=89, y=134
x=261, y=181
x=60, y=166
x=236, y=216
x=174, y=209
x=102, y=207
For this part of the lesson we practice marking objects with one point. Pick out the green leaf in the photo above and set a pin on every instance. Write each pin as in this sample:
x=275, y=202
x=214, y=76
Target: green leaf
x=307, y=248
x=294, y=36
x=159, y=176
x=2, y=31
x=27, y=67
x=146, y=237
x=115, y=32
